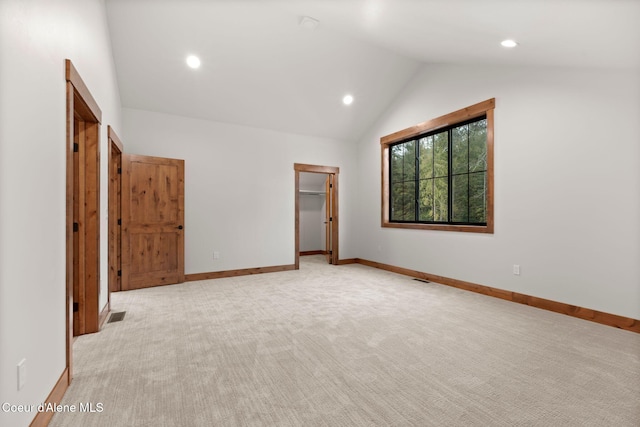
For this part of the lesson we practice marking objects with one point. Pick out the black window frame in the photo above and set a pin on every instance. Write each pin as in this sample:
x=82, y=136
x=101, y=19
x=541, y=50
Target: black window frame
x=450, y=175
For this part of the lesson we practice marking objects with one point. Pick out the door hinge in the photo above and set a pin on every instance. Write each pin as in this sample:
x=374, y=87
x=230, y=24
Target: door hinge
x=330, y=185
x=76, y=147
x=76, y=307
x=330, y=252
x=120, y=170
x=76, y=227
x=331, y=219
x=119, y=221
x=119, y=273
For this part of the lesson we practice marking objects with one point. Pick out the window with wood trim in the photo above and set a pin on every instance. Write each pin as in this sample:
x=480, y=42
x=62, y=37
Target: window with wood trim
x=439, y=174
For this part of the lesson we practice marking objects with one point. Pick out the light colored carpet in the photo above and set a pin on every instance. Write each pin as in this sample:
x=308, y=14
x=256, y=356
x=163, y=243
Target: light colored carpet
x=348, y=346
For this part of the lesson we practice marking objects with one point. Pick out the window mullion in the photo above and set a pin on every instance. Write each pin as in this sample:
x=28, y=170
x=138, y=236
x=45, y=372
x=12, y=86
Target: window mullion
x=392, y=197
x=433, y=179
x=416, y=180
x=468, y=175
x=449, y=176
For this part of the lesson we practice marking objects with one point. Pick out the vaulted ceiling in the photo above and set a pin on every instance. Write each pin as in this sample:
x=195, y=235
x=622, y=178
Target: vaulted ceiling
x=261, y=68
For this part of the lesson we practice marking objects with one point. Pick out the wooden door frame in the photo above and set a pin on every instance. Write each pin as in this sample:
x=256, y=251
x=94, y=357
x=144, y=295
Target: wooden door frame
x=328, y=190
x=334, y=172
x=115, y=211
x=82, y=108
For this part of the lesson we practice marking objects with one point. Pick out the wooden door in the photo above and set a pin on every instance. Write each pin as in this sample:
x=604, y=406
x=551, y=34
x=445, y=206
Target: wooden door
x=152, y=221
x=86, y=227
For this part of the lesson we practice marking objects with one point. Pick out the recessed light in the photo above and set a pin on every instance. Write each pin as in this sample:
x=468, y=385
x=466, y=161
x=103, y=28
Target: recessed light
x=347, y=100
x=509, y=43
x=193, y=61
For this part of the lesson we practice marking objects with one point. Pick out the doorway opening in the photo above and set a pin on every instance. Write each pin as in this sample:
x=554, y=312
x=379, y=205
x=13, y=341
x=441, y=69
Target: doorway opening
x=115, y=211
x=315, y=214
x=83, y=211
x=329, y=179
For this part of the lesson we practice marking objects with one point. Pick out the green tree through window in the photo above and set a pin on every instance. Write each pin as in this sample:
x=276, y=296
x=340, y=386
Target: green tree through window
x=441, y=177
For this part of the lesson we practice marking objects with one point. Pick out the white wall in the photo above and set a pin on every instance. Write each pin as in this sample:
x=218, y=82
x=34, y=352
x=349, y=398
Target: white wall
x=567, y=193
x=36, y=36
x=240, y=186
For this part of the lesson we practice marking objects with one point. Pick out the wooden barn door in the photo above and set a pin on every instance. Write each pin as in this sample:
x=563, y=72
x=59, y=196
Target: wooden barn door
x=152, y=221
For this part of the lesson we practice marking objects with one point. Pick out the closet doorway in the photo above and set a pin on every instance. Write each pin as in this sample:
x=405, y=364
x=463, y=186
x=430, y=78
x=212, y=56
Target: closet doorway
x=316, y=216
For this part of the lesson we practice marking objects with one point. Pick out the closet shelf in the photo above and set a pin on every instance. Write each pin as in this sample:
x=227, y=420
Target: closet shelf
x=311, y=193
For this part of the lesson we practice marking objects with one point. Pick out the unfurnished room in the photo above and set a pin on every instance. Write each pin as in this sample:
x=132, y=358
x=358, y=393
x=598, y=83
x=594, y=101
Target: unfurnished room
x=319, y=213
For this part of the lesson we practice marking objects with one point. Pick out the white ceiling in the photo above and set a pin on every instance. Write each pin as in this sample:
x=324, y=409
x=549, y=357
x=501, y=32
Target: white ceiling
x=260, y=68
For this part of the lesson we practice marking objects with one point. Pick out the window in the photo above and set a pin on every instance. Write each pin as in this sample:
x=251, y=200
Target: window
x=439, y=174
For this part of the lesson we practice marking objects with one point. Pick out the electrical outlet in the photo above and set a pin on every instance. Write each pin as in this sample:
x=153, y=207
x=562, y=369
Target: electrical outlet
x=216, y=255
x=22, y=373
x=516, y=269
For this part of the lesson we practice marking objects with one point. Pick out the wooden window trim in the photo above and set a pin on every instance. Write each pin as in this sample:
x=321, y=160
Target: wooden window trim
x=477, y=110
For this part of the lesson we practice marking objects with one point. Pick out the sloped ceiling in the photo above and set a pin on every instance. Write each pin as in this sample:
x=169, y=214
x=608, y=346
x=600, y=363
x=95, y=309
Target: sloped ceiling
x=261, y=68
